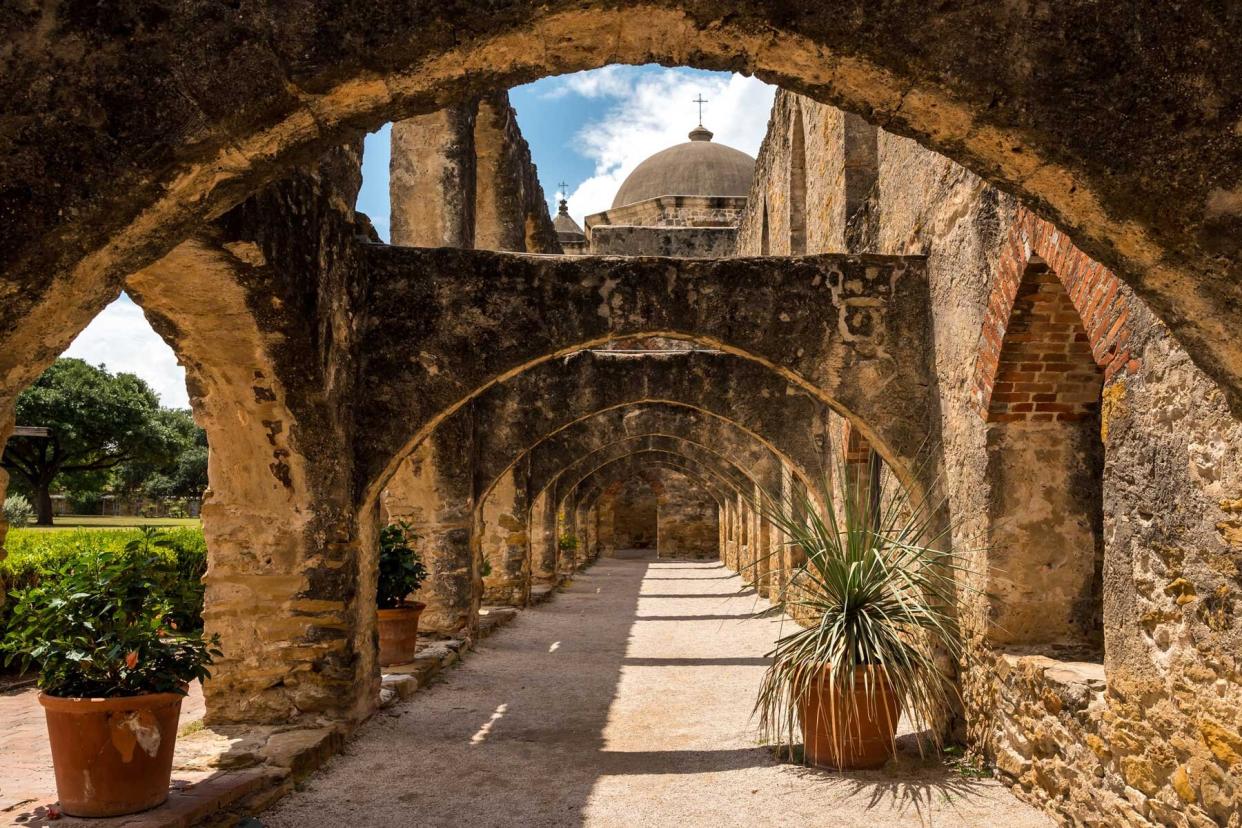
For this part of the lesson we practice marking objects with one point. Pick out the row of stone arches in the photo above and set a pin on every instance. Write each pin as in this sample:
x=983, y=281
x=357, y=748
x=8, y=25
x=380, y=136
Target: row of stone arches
x=309, y=423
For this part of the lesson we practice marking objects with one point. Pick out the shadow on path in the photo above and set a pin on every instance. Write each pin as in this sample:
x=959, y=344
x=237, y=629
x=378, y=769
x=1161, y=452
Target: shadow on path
x=577, y=715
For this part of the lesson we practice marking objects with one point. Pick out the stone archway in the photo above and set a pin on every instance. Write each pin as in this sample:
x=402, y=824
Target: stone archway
x=857, y=339
x=1145, y=183
x=503, y=509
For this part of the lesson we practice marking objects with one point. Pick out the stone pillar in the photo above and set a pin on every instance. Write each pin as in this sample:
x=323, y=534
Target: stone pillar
x=6, y=429
x=778, y=576
x=605, y=515
x=504, y=541
x=586, y=533
x=543, y=540
x=291, y=575
x=432, y=179
x=499, y=218
x=566, y=559
x=432, y=490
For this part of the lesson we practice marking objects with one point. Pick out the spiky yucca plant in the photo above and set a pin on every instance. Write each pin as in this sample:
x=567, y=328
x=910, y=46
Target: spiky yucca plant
x=875, y=592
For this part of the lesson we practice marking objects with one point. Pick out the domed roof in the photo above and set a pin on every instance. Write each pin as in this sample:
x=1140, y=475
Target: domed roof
x=696, y=168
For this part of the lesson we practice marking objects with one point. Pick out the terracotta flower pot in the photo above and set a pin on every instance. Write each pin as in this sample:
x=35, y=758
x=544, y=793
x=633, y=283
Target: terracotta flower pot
x=398, y=633
x=841, y=735
x=112, y=756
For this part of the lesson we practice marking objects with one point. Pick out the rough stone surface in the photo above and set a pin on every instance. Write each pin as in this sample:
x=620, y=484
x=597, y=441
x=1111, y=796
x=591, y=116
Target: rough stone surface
x=1120, y=127
x=1143, y=747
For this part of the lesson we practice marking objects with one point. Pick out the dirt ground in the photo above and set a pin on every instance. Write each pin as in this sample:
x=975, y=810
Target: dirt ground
x=625, y=701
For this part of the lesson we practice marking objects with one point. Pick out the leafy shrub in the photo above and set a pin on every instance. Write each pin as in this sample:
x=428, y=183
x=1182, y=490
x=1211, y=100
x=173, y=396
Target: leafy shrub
x=99, y=626
x=400, y=570
x=17, y=511
x=179, y=560
x=568, y=543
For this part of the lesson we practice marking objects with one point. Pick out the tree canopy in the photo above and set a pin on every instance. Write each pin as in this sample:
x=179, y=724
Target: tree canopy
x=98, y=421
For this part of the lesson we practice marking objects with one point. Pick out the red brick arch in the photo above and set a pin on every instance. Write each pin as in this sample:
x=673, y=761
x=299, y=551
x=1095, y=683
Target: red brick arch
x=1097, y=295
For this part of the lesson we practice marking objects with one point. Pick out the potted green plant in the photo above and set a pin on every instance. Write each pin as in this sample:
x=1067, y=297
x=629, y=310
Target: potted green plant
x=400, y=573
x=112, y=674
x=874, y=594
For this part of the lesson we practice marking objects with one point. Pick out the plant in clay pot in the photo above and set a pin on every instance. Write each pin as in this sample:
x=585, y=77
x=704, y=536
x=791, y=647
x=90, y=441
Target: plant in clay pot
x=873, y=598
x=400, y=574
x=112, y=675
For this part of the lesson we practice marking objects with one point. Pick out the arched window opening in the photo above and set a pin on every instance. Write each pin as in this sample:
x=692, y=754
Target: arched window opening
x=1045, y=466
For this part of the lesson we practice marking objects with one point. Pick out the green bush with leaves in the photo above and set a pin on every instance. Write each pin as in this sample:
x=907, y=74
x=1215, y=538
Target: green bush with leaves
x=179, y=558
x=101, y=626
x=400, y=570
x=568, y=543
x=17, y=511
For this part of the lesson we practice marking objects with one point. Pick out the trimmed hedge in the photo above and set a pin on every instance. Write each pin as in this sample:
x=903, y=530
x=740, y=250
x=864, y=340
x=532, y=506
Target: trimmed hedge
x=34, y=553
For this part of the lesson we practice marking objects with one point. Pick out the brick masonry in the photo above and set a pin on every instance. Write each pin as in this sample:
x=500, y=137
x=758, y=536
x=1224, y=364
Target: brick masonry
x=1024, y=301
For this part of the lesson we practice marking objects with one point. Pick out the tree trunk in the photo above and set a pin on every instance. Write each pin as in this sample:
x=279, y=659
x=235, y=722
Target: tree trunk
x=43, y=504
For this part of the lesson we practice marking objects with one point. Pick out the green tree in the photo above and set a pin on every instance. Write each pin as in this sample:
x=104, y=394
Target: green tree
x=97, y=420
x=183, y=473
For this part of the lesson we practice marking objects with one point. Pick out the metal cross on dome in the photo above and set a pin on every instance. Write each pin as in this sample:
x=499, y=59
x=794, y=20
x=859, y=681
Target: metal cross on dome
x=700, y=100
x=564, y=189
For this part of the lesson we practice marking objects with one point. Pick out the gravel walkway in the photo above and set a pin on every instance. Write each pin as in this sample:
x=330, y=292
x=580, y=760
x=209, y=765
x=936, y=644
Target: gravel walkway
x=625, y=701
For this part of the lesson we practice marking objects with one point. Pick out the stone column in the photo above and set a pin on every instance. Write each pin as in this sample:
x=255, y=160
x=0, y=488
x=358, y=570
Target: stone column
x=499, y=218
x=432, y=179
x=6, y=429
x=605, y=516
x=543, y=540
x=586, y=532
x=432, y=489
x=504, y=541
x=291, y=572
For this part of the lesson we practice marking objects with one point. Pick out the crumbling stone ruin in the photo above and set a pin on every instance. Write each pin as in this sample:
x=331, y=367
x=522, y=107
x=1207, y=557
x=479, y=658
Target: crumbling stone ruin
x=1009, y=232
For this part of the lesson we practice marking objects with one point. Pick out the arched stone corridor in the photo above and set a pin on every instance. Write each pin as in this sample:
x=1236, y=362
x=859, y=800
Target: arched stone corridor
x=1040, y=341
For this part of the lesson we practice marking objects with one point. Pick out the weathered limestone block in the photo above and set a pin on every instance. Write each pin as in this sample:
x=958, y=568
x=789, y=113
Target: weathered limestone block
x=511, y=212
x=432, y=179
x=505, y=542
x=544, y=541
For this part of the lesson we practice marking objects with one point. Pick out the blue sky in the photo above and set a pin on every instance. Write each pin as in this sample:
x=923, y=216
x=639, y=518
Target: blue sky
x=589, y=129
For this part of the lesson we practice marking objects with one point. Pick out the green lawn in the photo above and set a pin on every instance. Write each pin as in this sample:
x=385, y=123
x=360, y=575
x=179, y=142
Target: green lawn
x=66, y=522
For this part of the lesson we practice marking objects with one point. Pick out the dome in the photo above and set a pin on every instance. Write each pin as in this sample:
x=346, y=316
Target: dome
x=695, y=168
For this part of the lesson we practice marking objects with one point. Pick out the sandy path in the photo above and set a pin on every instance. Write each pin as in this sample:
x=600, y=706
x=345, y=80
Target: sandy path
x=625, y=701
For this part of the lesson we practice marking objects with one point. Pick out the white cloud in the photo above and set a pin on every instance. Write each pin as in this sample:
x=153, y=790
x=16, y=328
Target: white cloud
x=121, y=339
x=606, y=82
x=655, y=111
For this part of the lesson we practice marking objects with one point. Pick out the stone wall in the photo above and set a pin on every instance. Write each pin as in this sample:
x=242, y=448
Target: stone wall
x=673, y=211
x=635, y=508
x=683, y=242
x=688, y=521
x=1149, y=735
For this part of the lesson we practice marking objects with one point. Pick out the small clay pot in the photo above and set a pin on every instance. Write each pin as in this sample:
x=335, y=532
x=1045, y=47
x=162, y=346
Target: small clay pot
x=112, y=756
x=398, y=633
x=844, y=734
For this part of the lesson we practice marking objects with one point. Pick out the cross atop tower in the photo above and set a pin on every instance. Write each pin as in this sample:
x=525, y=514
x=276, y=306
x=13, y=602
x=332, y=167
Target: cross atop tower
x=700, y=100
x=564, y=189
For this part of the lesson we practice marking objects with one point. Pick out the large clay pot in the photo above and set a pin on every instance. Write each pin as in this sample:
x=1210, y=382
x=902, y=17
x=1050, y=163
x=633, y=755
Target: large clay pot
x=843, y=736
x=398, y=634
x=112, y=756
